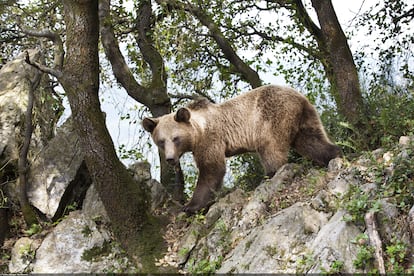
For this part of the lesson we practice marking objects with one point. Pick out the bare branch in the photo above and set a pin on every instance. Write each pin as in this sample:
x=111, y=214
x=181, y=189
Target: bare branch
x=375, y=240
x=57, y=43
x=306, y=20
x=56, y=73
x=195, y=96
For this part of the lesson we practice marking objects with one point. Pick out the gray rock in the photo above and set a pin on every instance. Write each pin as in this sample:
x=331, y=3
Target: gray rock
x=340, y=185
x=14, y=87
x=22, y=254
x=257, y=204
x=411, y=222
x=79, y=245
x=58, y=175
x=93, y=207
x=15, y=80
x=405, y=141
x=142, y=175
x=333, y=243
x=335, y=164
x=277, y=245
x=391, y=228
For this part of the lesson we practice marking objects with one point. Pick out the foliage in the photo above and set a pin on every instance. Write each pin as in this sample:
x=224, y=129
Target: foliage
x=247, y=171
x=33, y=229
x=397, y=253
x=390, y=113
x=204, y=266
x=389, y=24
x=396, y=184
x=365, y=257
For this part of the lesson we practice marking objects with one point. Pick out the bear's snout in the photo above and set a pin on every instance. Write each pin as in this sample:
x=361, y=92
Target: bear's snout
x=171, y=161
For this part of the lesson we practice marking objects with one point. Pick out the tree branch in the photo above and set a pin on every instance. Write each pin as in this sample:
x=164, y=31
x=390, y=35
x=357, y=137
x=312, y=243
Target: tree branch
x=144, y=22
x=119, y=66
x=56, y=73
x=306, y=20
x=250, y=75
x=23, y=166
x=59, y=53
x=375, y=240
x=289, y=40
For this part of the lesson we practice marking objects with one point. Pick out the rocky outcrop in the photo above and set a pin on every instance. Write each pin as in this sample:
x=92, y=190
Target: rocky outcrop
x=81, y=242
x=319, y=232
x=16, y=78
x=58, y=174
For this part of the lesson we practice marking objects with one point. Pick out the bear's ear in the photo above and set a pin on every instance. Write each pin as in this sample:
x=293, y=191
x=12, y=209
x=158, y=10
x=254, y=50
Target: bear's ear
x=183, y=115
x=149, y=124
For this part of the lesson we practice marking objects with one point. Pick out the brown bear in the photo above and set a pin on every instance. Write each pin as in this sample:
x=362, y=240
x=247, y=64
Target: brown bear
x=267, y=120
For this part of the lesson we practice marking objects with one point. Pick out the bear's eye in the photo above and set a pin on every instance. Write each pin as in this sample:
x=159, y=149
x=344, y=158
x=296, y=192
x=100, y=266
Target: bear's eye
x=176, y=140
x=161, y=143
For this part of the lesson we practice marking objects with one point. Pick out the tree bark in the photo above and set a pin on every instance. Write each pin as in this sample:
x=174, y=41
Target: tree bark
x=125, y=201
x=4, y=224
x=29, y=214
x=339, y=63
x=155, y=96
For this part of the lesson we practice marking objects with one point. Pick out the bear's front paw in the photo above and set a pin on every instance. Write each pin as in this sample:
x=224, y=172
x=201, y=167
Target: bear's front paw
x=193, y=207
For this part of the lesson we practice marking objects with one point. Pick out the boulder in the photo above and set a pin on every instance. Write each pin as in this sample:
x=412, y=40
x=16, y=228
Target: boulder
x=22, y=254
x=58, y=175
x=278, y=245
x=333, y=243
x=80, y=245
x=141, y=172
x=16, y=78
x=93, y=207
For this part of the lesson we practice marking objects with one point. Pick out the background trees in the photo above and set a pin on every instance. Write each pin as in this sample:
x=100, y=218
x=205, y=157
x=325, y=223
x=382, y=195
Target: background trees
x=166, y=51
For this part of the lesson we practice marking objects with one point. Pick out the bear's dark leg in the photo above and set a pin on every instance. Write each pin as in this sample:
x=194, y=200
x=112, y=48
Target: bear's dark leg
x=272, y=158
x=209, y=182
x=313, y=144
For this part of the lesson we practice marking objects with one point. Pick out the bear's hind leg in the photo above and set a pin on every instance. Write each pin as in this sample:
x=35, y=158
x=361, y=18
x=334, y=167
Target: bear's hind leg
x=272, y=158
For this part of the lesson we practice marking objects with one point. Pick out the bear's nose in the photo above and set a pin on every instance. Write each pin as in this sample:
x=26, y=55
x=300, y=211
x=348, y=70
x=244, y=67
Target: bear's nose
x=170, y=161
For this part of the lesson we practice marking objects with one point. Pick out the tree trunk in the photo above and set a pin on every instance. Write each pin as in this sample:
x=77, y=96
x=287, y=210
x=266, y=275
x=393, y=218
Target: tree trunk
x=4, y=208
x=29, y=214
x=155, y=96
x=125, y=201
x=339, y=64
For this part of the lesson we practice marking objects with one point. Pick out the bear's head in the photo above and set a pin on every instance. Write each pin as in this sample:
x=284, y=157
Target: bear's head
x=172, y=133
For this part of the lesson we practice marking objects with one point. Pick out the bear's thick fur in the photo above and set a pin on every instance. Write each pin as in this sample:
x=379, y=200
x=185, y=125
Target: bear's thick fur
x=267, y=120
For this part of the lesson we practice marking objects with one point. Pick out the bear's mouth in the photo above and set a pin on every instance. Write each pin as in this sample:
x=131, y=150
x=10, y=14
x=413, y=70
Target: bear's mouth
x=171, y=161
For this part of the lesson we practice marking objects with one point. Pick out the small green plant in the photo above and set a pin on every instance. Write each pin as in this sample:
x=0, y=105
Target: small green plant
x=204, y=266
x=86, y=231
x=271, y=251
x=336, y=267
x=183, y=252
x=27, y=253
x=33, y=229
x=97, y=252
x=356, y=205
x=305, y=263
x=365, y=255
x=397, y=254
